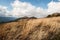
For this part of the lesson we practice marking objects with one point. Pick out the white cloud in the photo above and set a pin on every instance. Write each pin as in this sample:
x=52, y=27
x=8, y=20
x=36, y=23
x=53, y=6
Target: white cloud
x=21, y=9
x=3, y=11
x=53, y=7
x=58, y=0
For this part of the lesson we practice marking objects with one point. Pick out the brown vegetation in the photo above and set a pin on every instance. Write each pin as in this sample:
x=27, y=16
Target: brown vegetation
x=32, y=29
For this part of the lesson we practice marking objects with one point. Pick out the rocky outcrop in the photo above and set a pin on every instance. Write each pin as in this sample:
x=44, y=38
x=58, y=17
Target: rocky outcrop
x=54, y=15
x=32, y=29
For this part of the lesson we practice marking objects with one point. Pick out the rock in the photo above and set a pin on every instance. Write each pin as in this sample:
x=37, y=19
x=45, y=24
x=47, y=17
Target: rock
x=54, y=15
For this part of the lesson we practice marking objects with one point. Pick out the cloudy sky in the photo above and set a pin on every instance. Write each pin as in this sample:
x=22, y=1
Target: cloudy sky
x=30, y=8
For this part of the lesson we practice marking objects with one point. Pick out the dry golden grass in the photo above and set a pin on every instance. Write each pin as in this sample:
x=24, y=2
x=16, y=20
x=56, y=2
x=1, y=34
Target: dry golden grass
x=32, y=29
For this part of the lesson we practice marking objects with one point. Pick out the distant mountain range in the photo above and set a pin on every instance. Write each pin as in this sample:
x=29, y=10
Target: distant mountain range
x=10, y=19
x=6, y=19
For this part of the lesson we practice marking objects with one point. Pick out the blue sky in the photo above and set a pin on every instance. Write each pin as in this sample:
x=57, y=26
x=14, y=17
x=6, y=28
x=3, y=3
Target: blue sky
x=37, y=3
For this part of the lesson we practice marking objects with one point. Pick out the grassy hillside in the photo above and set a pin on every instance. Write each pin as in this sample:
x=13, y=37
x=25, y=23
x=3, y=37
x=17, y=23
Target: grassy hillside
x=31, y=29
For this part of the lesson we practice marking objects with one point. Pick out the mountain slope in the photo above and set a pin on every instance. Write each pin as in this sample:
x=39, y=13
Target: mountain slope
x=31, y=29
